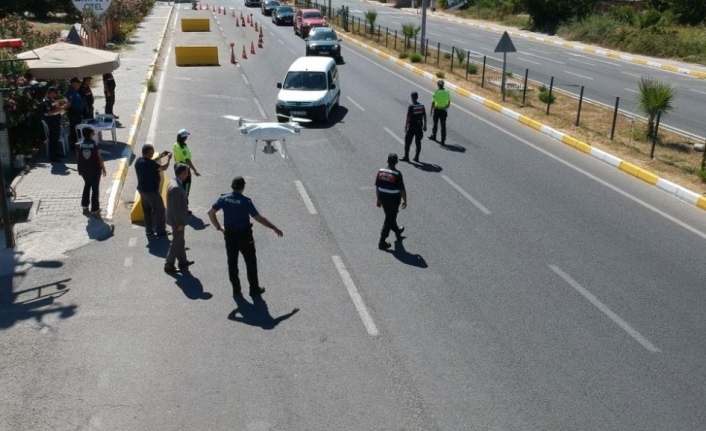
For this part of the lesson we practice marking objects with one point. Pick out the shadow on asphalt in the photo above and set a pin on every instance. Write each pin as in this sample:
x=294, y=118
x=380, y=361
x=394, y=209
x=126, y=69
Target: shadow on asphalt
x=158, y=245
x=98, y=229
x=111, y=151
x=257, y=313
x=454, y=148
x=336, y=116
x=191, y=286
x=406, y=257
x=60, y=168
x=427, y=167
x=197, y=223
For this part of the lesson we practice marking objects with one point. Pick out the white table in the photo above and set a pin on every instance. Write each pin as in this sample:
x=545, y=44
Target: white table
x=102, y=124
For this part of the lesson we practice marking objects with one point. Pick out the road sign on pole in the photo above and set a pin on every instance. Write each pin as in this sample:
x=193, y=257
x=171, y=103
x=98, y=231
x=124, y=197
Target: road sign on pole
x=505, y=45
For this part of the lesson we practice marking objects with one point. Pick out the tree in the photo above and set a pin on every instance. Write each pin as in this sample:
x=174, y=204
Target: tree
x=546, y=15
x=370, y=17
x=409, y=30
x=691, y=12
x=653, y=97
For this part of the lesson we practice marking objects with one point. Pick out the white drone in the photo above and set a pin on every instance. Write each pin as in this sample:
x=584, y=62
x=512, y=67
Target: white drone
x=269, y=132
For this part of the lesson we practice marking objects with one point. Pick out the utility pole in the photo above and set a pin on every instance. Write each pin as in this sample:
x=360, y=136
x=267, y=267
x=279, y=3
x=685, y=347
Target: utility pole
x=424, y=26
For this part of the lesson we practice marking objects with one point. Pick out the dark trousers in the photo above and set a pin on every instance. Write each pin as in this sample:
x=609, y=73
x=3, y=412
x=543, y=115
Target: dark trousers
x=391, y=206
x=186, y=184
x=75, y=119
x=439, y=115
x=177, y=248
x=54, y=123
x=91, y=186
x=153, y=208
x=109, y=103
x=88, y=113
x=414, y=132
x=241, y=241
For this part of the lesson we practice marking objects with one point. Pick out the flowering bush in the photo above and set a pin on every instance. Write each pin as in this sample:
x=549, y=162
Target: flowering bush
x=129, y=13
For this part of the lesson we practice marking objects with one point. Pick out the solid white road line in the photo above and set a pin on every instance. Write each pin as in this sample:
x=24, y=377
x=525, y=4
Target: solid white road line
x=305, y=197
x=698, y=91
x=293, y=51
x=259, y=107
x=539, y=51
x=355, y=103
x=158, y=100
x=434, y=34
x=280, y=41
x=466, y=195
x=607, y=62
x=499, y=128
x=630, y=90
x=131, y=242
x=176, y=16
x=245, y=79
x=355, y=296
x=528, y=61
x=631, y=74
x=576, y=74
x=546, y=58
x=397, y=138
x=128, y=262
x=460, y=41
x=583, y=62
x=113, y=195
x=604, y=308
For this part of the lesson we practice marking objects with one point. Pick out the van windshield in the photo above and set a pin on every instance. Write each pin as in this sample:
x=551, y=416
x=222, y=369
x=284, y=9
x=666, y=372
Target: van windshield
x=307, y=81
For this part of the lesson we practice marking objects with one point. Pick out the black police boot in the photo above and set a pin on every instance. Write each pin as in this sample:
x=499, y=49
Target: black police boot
x=383, y=245
x=405, y=158
x=398, y=234
x=416, y=158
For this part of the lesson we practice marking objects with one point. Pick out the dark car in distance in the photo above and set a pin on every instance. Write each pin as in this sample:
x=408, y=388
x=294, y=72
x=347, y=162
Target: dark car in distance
x=249, y=3
x=268, y=6
x=324, y=41
x=283, y=15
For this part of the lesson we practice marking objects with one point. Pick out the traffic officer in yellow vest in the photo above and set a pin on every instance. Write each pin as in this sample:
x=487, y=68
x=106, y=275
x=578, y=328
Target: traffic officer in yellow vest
x=440, y=102
x=182, y=154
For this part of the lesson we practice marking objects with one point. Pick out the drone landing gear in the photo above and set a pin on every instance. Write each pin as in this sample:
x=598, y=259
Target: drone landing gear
x=270, y=148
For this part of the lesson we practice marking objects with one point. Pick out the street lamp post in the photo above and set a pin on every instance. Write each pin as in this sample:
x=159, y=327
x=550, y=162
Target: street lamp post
x=424, y=26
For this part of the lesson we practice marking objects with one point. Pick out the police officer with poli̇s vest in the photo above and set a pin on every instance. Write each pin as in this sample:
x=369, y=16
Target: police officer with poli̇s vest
x=390, y=190
x=238, y=235
x=440, y=102
x=415, y=126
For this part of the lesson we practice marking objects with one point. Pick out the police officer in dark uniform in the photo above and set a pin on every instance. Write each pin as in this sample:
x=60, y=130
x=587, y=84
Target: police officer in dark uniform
x=415, y=126
x=87, y=94
x=52, y=116
x=390, y=190
x=109, y=93
x=237, y=231
x=74, y=109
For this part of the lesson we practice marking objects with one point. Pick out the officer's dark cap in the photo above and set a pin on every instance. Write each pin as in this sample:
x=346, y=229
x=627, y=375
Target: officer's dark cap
x=415, y=95
x=75, y=80
x=238, y=183
x=392, y=158
x=50, y=89
x=180, y=168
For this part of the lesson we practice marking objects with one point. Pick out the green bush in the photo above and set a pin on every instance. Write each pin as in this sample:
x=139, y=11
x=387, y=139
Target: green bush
x=623, y=15
x=403, y=55
x=472, y=69
x=440, y=75
x=415, y=58
x=701, y=173
x=545, y=97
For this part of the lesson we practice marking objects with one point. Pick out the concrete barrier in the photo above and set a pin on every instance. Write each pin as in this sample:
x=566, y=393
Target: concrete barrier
x=196, y=55
x=195, y=24
x=137, y=214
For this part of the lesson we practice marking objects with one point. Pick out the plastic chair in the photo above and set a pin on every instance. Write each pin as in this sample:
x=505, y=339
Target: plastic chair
x=107, y=120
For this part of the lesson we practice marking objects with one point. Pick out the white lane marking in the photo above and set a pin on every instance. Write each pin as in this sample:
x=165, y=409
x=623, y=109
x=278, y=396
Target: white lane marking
x=259, y=107
x=460, y=41
x=355, y=103
x=305, y=197
x=175, y=19
x=576, y=74
x=632, y=74
x=434, y=34
x=131, y=242
x=528, y=61
x=466, y=195
x=245, y=79
x=582, y=62
x=397, y=138
x=355, y=296
x=697, y=91
x=539, y=51
x=604, y=308
x=128, y=262
x=607, y=62
x=280, y=41
x=158, y=100
x=550, y=155
x=630, y=90
x=546, y=58
x=293, y=51
x=490, y=56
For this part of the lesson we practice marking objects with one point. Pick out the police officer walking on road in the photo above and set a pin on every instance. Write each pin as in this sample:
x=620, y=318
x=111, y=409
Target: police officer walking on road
x=415, y=126
x=390, y=190
x=440, y=103
x=237, y=231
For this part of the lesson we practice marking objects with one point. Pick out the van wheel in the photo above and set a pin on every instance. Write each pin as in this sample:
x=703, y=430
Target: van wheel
x=326, y=118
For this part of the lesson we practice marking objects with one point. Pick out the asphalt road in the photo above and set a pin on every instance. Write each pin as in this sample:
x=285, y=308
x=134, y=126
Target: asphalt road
x=537, y=289
x=603, y=78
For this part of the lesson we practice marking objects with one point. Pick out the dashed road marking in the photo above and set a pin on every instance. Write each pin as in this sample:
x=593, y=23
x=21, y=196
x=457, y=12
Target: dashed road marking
x=305, y=197
x=245, y=79
x=397, y=138
x=604, y=308
x=576, y=74
x=355, y=296
x=355, y=103
x=128, y=262
x=466, y=195
x=259, y=107
x=132, y=242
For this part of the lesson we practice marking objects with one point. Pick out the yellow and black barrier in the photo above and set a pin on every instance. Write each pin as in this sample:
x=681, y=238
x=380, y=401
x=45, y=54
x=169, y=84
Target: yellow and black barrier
x=196, y=55
x=195, y=24
x=137, y=214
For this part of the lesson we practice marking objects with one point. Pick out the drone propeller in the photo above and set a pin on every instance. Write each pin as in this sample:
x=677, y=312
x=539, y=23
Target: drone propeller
x=295, y=119
x=240, y=120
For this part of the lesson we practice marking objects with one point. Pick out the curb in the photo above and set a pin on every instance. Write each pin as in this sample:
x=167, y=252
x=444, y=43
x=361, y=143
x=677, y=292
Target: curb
x=673, y=189
x=580, y=47
x=121, y=174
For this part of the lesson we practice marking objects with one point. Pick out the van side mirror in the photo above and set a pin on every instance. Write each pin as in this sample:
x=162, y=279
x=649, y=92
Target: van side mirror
x=279, y=85
x=332, y=86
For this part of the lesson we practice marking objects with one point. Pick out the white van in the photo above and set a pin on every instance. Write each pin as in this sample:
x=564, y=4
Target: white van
x=311, y=89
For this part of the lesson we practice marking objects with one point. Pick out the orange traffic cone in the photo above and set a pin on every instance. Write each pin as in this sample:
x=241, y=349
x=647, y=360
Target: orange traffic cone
x=245, y=54
x=224, y=10
x=252, y=47
x=259, y=42
x=213, y=8
x=255, y=26
x=260, y=31
x=233, y=14
x=241, y=14
x=237, y=23
x=232, y=54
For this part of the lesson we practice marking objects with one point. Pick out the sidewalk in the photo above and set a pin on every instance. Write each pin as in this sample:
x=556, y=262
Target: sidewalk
x=56, y=224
